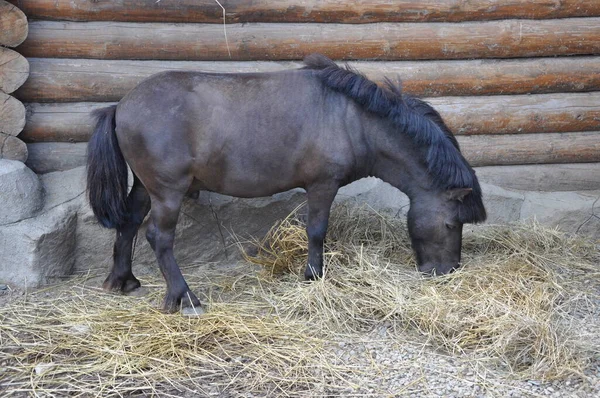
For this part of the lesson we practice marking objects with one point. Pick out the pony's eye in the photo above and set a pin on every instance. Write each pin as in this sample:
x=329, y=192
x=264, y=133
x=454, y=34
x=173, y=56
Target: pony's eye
x=450, y=225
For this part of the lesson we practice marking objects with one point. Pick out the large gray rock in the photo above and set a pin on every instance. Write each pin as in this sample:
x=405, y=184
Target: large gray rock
x=39, y=250
x=93, y=250
x=63, y=186
x=375, y=193
x=502, y=205
x=93, y=244
x=21, y=194
x=543, y=177
x=12, y=148
x=198, y=236
x=570, y=211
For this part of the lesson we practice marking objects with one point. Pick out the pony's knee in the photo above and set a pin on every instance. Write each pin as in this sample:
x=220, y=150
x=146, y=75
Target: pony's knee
x=162, y=241
x=151, y=236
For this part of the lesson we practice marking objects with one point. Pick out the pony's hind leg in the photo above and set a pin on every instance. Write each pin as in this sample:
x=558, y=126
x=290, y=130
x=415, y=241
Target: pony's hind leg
x=121, y=277
x=161, y=235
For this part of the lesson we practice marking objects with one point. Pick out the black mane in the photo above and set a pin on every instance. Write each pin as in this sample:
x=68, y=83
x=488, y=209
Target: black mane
x=416, y=118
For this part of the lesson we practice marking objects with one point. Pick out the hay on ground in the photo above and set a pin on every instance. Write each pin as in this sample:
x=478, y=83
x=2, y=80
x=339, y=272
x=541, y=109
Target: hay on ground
x=512, y=306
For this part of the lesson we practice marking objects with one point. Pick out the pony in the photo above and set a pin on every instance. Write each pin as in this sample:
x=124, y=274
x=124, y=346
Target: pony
x=249, y=135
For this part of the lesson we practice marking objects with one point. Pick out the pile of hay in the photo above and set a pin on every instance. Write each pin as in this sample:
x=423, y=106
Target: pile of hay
x=512, y=302
x=517, y=305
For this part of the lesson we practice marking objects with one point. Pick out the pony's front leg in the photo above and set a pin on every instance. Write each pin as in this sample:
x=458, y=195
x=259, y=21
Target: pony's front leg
x=320, y=198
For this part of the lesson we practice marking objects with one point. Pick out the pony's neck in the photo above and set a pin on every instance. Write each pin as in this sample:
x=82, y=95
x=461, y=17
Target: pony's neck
x=399, y=163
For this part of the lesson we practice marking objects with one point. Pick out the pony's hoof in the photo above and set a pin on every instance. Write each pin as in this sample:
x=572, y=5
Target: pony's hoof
x=124, y=284
x=311, y=273
x=187, y=299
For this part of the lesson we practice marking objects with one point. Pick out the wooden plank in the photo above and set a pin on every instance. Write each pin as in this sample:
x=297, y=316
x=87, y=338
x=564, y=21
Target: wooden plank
x=14, y=70
x=13, y=25
x=69, y=122
x=531, y=148
x=273, y=41
x=364, y=11
x=520, y=114
x=77, y=80
x=543, y=177
x=516, y=114
x=45, y=157
x=12, y=148
x=12, y=115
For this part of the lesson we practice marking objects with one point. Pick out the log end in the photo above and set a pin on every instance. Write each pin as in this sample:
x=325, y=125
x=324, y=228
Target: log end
x=13, y=25
x=14, y=70
x=12, y=115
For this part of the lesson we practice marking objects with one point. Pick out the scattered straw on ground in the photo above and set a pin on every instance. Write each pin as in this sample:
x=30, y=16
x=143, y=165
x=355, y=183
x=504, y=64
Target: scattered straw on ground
x=517, y=305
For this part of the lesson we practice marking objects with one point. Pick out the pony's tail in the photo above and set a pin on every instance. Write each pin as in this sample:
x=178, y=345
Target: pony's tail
x=106, y=171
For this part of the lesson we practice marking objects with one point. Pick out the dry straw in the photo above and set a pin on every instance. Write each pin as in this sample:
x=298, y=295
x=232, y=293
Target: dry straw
x=517, y=305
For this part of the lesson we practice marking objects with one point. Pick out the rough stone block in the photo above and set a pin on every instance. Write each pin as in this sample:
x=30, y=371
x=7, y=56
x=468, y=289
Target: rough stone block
x=375, y=193
x=38, y=250
x=63, y=186
x=570, y=211
x=502, y=205
x=12, y=148
x=21, y=193
x=198, y=236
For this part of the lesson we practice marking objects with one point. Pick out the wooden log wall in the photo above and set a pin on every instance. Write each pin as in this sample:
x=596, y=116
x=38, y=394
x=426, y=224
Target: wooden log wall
x=327, y=11
x=518, y=82
x=14, y=70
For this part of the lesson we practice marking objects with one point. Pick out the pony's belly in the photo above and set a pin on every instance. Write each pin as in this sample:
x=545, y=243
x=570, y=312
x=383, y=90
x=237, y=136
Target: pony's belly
x=245, y=188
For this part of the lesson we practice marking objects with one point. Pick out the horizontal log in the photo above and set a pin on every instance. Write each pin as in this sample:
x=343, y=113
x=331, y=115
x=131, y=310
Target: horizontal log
x=259, y=41
x=14, y=70
x=77, y=80
x=520, y=114
x=12, y=115
x=12, y=148
x=464, y=115
x=364, y=11
x=531, y=148
x=13, y=25
x=543, y=177
x=70, y=122
x=46, y=157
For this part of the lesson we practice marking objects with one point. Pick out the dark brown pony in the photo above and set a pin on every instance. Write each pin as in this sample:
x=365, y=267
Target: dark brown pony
x=251, y=135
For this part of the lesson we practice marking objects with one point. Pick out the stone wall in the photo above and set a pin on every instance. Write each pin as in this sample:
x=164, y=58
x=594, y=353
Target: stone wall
x=48, y=232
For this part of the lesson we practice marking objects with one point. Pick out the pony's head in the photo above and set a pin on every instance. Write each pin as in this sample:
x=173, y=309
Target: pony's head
x=435, y=230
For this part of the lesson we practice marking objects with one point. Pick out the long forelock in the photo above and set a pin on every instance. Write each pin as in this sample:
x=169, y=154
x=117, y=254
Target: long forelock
x=415, y=118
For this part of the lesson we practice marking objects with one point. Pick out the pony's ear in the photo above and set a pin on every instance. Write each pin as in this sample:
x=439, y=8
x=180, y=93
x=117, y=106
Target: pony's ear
x=458, y=193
